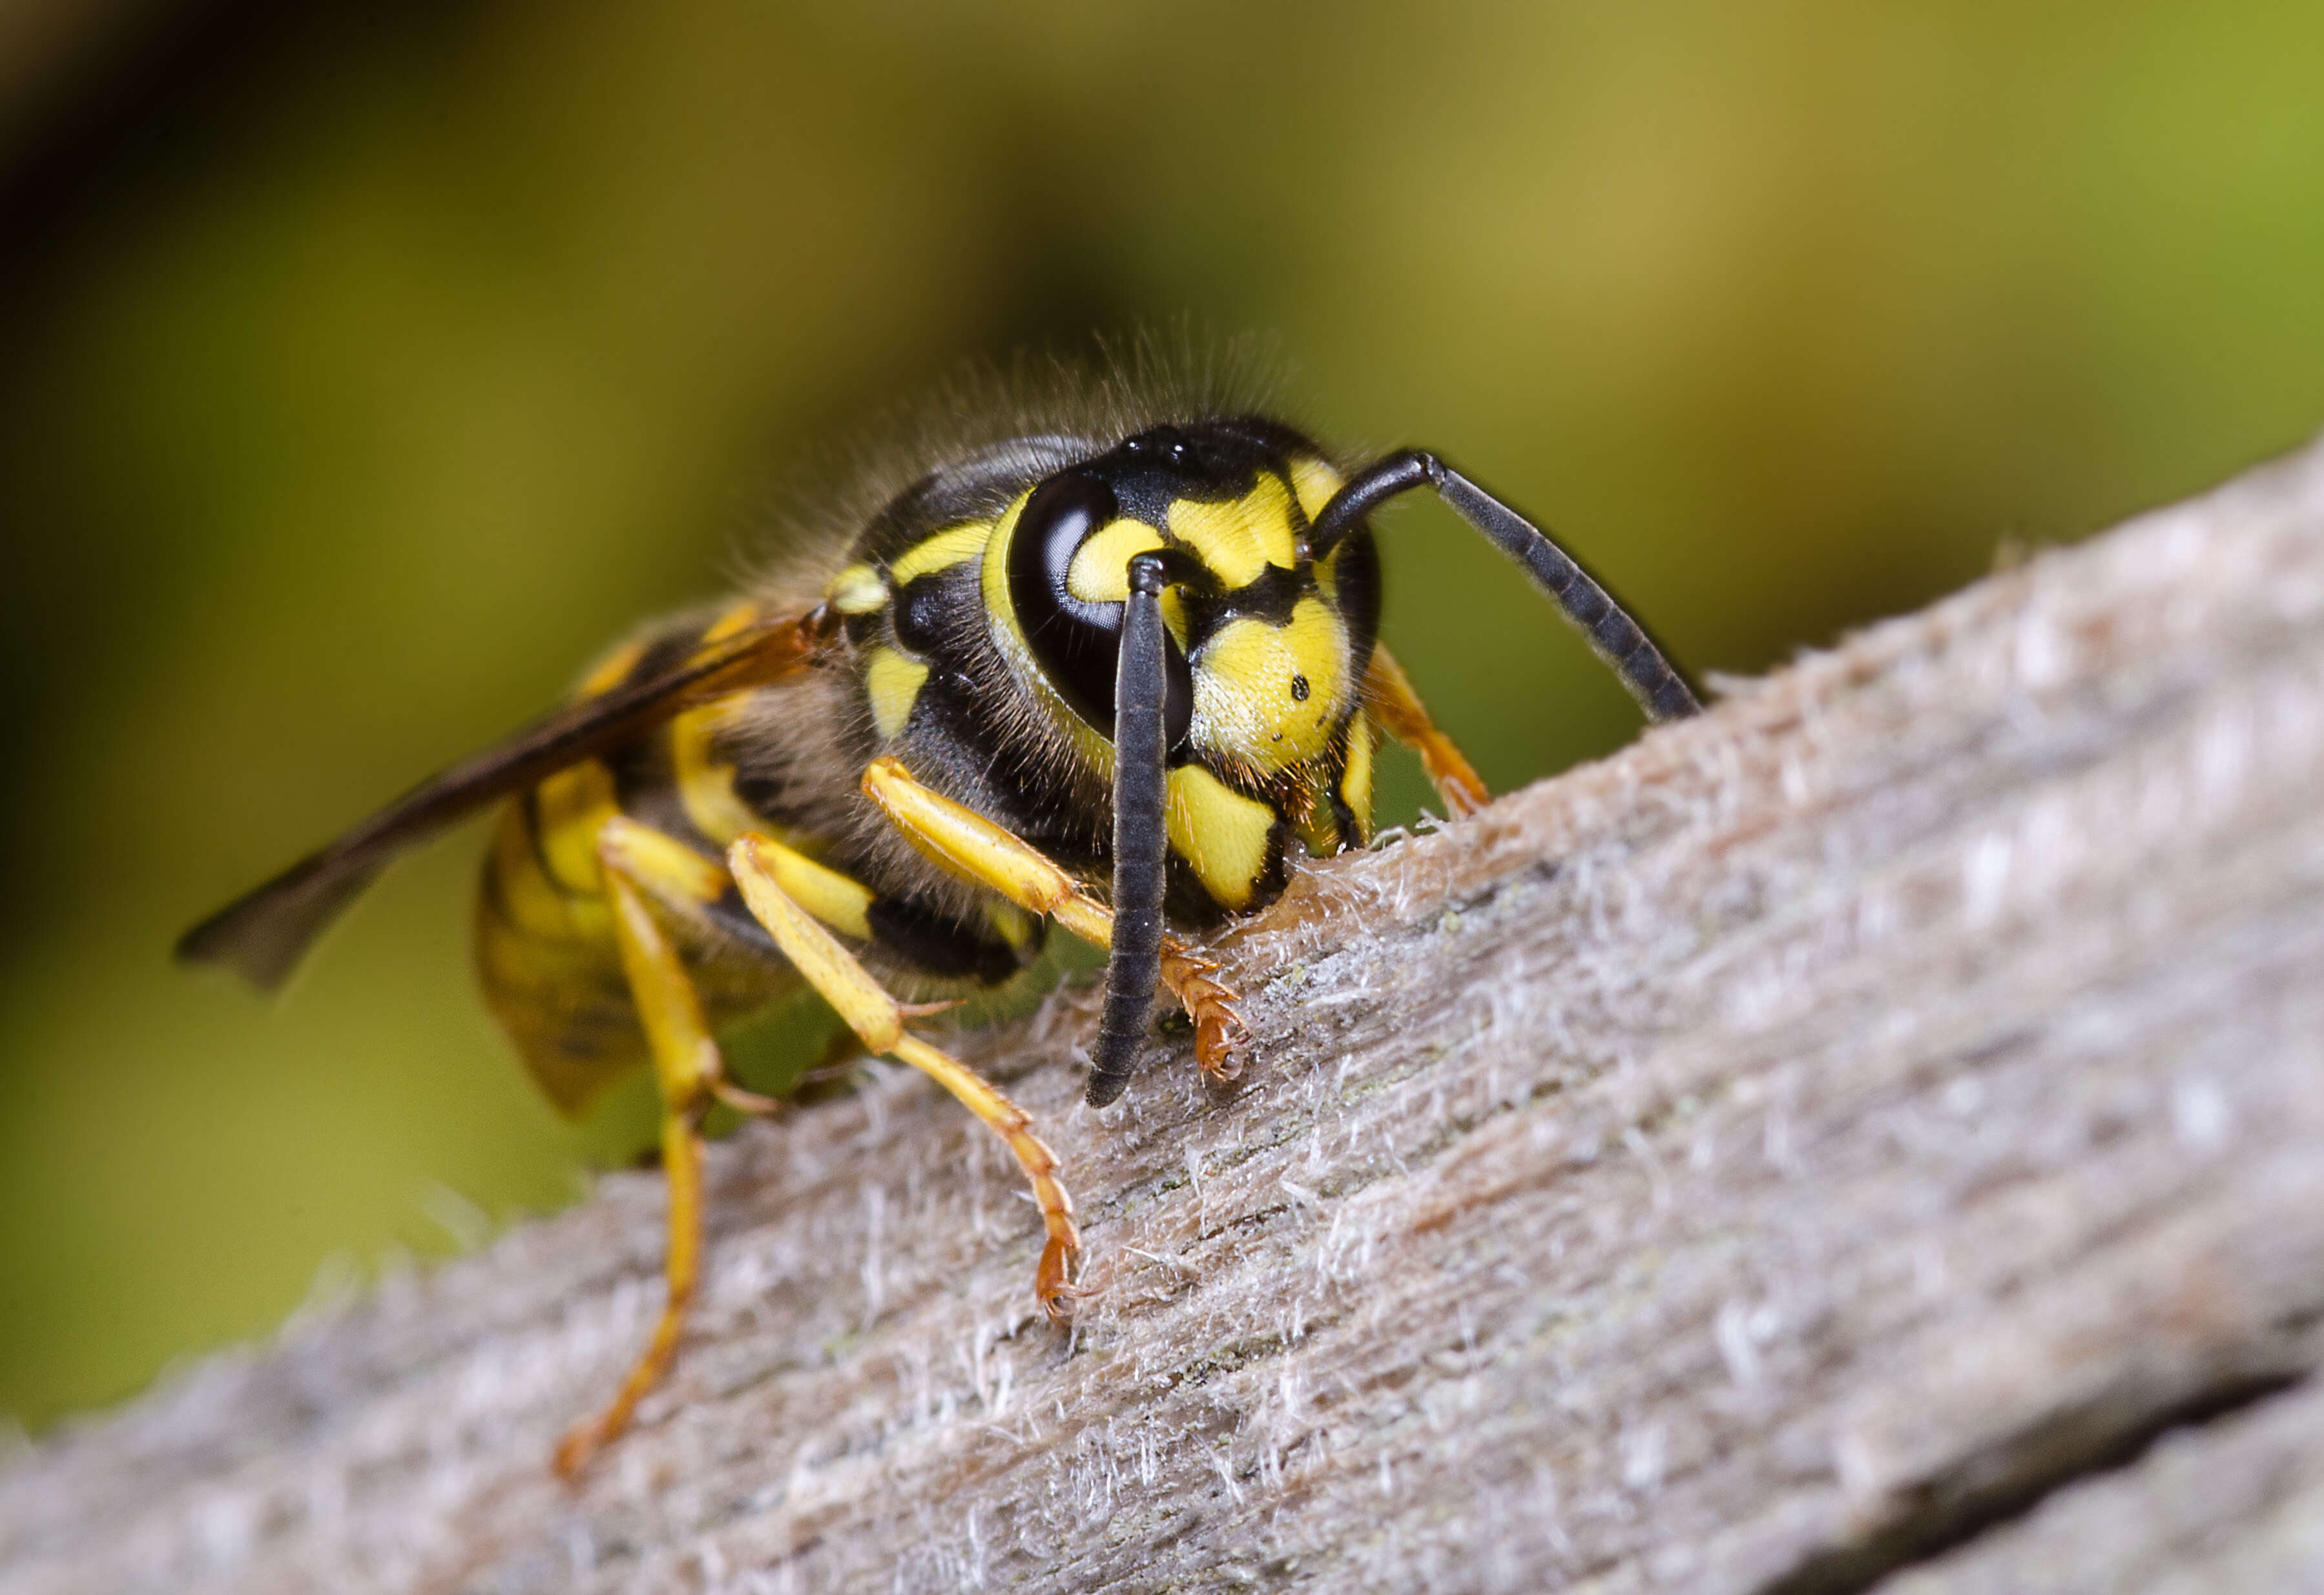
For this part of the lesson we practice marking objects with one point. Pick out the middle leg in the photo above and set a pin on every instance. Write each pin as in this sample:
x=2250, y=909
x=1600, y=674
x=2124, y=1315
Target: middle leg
x=757, y=865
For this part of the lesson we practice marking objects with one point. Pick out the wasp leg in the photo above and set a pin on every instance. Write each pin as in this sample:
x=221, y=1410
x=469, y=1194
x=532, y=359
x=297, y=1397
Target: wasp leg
x=967, y=843
x=756, y=865
x=642, y=864
x=1388, y=693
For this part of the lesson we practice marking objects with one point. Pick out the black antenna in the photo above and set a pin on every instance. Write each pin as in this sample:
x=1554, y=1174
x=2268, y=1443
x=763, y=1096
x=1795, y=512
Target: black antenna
x=1140, y=749
x=1612, y=633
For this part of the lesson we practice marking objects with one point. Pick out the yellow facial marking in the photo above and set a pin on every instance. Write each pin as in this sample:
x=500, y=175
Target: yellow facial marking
x=1100, y=573
x=1356, y=781
x=1240, y=538
x=940, y=552
x=706, y=782
x=1272, y=695
x=894, y=684
x=1222, y=833
x=1313, y=482
x=570, y=806
x=857, y=590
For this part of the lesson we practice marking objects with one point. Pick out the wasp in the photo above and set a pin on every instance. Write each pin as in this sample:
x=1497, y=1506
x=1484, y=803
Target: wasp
x=1110, y=675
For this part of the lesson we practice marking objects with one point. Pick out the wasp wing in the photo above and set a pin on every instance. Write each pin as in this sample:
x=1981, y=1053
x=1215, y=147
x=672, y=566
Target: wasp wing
x=263, y=934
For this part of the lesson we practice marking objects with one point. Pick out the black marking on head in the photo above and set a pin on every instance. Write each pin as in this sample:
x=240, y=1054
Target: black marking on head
x=1269, y=596
x=1205, y=462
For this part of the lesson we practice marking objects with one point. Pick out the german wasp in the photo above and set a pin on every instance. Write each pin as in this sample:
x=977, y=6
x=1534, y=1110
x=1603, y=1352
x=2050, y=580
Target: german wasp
x=1106, y=665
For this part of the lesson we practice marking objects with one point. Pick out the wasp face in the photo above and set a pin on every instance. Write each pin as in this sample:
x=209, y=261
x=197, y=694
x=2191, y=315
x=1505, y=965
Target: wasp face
x=1266, y=646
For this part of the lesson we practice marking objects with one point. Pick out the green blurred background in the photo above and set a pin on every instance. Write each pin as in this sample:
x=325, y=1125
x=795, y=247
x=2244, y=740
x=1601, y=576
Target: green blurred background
x=362, y=373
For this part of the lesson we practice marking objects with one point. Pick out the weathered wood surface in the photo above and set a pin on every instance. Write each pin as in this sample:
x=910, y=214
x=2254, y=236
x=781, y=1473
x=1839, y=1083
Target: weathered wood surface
x=1822, y=1148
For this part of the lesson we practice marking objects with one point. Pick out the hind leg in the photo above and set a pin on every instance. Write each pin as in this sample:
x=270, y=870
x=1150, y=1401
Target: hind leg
x=640, y=866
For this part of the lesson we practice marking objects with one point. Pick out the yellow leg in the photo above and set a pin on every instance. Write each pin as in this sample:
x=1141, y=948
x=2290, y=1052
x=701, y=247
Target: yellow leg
x=1400, y=713
x=639, y=862
x=972, y=847
x=879, y=1020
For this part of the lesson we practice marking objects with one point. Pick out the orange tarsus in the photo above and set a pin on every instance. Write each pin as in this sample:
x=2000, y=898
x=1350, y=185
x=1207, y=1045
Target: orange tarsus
x=1388, y=694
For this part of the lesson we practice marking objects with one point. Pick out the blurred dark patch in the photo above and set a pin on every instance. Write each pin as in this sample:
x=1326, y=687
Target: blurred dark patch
x=134, y=126
x=156, y=105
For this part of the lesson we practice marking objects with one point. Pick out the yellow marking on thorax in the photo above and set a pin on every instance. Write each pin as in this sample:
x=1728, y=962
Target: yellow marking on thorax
x=731, y=621
x=857, y=590
x=706, y=782
x=940, y=552
x=1240, y=537
x=612, y=670
x=1221, y=834
x=1356, y=780
x=1272, y=695
x=893, y=683
x=1313, y=483
x=570, y=806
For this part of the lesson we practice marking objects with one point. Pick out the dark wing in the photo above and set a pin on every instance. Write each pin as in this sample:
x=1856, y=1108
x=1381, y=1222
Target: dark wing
x=263, y=932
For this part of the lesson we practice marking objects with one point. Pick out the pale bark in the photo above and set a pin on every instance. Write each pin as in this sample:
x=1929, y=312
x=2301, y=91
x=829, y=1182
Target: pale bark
x=1872, y=1136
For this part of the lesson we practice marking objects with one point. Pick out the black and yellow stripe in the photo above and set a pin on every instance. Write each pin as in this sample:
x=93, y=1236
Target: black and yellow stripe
x=545, y=942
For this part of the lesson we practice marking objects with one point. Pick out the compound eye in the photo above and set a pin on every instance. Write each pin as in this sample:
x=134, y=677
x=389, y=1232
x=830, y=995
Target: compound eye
x=1077, y=642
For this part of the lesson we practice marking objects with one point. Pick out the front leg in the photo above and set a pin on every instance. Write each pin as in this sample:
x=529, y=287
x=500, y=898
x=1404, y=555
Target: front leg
x=975, y=849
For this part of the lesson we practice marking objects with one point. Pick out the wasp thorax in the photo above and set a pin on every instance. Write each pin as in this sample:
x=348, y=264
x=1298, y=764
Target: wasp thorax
x=1263, y=642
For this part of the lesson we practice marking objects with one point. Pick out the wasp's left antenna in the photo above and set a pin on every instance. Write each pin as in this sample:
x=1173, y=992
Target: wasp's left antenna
x=1139, y=750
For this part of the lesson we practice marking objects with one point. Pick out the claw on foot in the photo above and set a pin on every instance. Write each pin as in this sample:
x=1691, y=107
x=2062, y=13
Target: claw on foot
x=1219, y=1030
x=1053, y=1284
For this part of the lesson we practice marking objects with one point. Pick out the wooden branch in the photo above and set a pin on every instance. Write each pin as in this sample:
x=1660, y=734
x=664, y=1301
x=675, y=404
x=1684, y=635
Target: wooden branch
x=1872, y=1134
